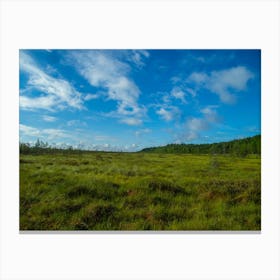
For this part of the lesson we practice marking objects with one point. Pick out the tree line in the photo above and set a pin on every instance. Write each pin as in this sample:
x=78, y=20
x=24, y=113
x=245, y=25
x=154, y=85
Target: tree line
x=41, y=147
x=240, y=147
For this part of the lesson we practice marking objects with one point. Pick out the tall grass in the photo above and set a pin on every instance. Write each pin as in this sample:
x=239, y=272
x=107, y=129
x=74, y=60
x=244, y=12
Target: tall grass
x=139, y=191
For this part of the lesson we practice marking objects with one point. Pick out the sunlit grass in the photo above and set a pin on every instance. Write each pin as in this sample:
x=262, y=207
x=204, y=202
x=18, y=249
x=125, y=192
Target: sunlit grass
x=139, y=191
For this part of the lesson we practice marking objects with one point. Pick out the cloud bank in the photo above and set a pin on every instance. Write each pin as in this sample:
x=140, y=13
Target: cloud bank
x=55, y=93
x=103, y=70
x=223, y=83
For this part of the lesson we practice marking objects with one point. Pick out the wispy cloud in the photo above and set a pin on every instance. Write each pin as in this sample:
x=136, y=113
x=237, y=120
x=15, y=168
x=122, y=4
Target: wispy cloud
x=49, y=118
x=131, y=121
x=53, y=133
x=143, y=131
x=210, y=114
x=200, y=58
x=224, y=83
x=91, y=96
x=103, y=70
x=34, y=103
x=181, y=89
x=178, y=93
x=48, y=133
x=56, y=93
x=164, y=106
x=168, y=113
x=138, y=57
x=76, y=123
x=28, y=130
x=194, y=126
x=191, y=92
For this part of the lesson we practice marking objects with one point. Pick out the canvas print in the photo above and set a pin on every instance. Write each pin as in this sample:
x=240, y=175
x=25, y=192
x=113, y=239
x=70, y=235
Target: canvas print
x=136, y=140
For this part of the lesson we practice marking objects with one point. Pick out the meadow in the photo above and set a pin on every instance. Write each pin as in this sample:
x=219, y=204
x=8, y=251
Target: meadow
x=139, y=191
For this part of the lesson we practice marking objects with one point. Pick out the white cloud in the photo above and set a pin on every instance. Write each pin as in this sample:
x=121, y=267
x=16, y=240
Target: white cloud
x=176, y=79
x=52, y=133
x=194, y=126
x=168, y=113
x=235, y=78
x=64, y=139
x=191, y=92
x=197, y=124
x=49, y=118
x=177, y=93
x=43, y=102
x=101, y=69
x=191, y=59
x=28, y=130
x=57, y=93
x=91, y=96
x=181, y=88
x=142, y=131
x=198, y=78
x=221, y=82
x=190, y=135
x=76, y=123
x=48, y=133
x=131, y=121
x=166, y=98
x=224, y=83
x=138, y=57
x=210, y=114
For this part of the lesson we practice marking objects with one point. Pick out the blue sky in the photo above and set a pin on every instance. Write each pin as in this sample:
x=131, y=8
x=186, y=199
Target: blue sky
x=131, y=99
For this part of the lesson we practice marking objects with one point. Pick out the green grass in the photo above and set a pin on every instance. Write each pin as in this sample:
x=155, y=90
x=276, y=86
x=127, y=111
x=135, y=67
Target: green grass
x=139, y=191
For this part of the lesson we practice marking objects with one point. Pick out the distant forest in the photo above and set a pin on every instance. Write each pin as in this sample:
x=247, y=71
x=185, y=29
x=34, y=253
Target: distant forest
x=240, y=147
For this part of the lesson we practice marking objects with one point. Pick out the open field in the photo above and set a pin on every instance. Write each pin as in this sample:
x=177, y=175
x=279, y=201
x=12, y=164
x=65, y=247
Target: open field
x=139, y=191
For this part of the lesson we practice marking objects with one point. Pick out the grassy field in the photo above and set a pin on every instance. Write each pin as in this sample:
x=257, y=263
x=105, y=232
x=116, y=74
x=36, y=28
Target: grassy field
x=139, y=191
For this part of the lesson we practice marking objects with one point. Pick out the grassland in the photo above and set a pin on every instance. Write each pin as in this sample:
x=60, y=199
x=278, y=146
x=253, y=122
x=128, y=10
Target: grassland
x=139, y=191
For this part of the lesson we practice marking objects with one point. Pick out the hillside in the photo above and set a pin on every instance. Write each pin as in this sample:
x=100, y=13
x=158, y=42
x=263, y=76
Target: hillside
x=242, y=147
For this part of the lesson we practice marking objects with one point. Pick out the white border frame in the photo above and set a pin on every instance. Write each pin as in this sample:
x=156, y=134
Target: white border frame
x=134, y=24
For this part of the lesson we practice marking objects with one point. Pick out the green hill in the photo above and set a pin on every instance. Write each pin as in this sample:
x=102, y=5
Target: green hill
x=242, y=147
